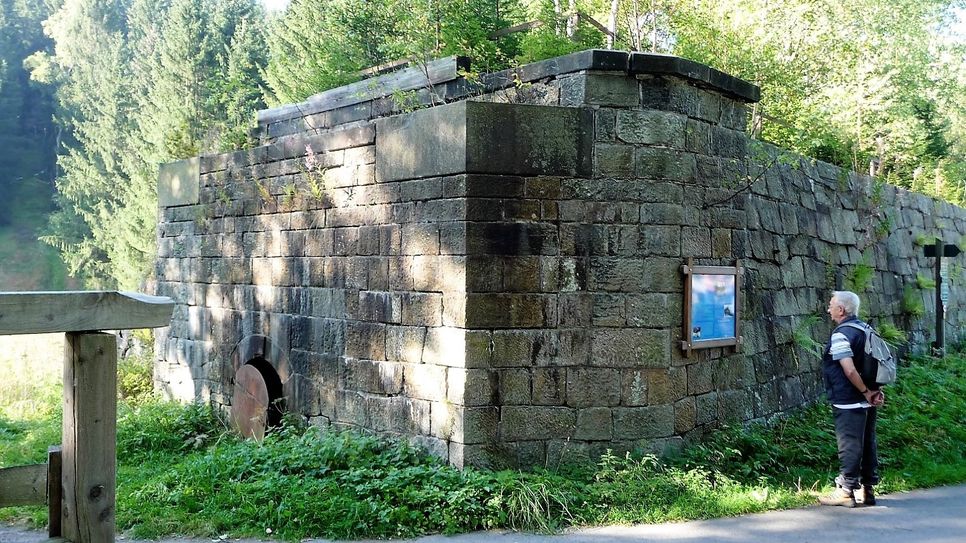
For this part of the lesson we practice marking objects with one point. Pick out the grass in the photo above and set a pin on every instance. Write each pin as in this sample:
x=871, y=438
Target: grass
x=181, y=473
x=25, y=262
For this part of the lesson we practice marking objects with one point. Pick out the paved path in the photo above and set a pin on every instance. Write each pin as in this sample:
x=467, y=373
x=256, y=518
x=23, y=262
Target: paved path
x=936, y=515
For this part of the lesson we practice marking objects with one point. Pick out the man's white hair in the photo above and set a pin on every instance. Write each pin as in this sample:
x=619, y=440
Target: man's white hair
x=848, y=300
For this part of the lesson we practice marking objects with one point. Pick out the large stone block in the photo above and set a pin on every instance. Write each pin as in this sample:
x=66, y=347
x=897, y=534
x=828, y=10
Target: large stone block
x=666, y=386
x=373, y=377
x=593, y=387
x=531, y=422
x=549, y=386
x=653, y=310
x=510, y=311
x=643, y=422
x=594, y=424
x=425, y=381
x=632, y=348
x=661, y=163
x=179, y=183
x=514, y=387
x=485, y=137
x=652, y=128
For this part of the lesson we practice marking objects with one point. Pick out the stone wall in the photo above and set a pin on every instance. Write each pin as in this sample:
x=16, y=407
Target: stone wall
x=498, y=277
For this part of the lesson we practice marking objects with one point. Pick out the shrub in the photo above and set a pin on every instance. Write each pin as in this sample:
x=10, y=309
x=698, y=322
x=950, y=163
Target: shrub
x=135, y=379
x=891, y=334
x=859, y=277
x=912, y=302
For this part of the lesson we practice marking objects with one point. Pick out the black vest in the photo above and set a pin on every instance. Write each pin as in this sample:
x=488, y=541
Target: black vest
x=838, y=388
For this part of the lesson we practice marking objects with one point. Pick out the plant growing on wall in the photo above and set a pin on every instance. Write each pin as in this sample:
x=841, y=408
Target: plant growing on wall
x=912, y=302
x=892, y=334
x=924, y=282
x=922, y=239
x=859, y=277
x=802, y=336
x=313, y=169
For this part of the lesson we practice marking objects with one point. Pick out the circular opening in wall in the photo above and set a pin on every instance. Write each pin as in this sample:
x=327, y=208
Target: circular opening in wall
x=257, y=400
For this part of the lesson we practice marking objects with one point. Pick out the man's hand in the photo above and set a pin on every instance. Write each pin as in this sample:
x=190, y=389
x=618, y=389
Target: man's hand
x=877, y=399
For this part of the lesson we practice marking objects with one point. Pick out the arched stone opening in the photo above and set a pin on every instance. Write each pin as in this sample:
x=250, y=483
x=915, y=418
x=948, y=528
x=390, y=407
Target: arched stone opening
x=259, y=394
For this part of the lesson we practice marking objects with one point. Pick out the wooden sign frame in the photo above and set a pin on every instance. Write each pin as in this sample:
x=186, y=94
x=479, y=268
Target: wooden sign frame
x=694, y=273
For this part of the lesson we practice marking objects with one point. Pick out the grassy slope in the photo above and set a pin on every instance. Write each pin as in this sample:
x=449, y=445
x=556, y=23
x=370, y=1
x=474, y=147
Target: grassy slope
x=25, y=262
x=180, y=473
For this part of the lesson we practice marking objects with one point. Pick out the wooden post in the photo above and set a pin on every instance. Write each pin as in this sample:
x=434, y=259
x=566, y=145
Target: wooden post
x=89, y=433
x=81, y=496
x=55, y=494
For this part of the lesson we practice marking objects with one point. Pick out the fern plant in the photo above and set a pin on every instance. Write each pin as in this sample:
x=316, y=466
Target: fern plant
x=892, y=334
x=802, y=335
x=859, y=277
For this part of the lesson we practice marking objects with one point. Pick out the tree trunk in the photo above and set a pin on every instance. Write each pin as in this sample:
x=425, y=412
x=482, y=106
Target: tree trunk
x=612, y=23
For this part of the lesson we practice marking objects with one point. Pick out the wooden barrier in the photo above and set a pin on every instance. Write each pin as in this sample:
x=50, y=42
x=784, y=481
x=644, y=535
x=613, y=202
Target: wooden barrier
x=78, y=481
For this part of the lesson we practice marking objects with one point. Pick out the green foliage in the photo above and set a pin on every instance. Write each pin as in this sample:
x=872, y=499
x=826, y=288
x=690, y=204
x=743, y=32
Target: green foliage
x=139, y=83
x=862, y=83
x=859, y=277
x=135, y=379
x=802, y=335
x=160, y=427
x=925, y=282
x=912, y=303
x=922, y=240
x=316, y=45
x=28, y=138
x=891, y=334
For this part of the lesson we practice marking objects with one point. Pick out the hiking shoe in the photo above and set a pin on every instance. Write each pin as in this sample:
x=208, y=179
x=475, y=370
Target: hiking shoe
x=868, y=495
x=841, y=496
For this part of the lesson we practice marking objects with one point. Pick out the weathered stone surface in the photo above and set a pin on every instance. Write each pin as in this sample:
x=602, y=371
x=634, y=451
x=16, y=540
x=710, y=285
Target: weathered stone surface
x=604, y=90
x=549, y=386
x=178, y=183
x=465, y=136
x=643, y=422
x=651, y=128
x=531, y=422
x=634, y=388
x=613, y=160
x=593, y=424
x=655, y=310
x=589, y=387
x=661, y=163
x=641, y=347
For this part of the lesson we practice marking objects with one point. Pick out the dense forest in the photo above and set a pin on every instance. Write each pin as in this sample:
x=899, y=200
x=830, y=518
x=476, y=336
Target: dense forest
x=94, y=94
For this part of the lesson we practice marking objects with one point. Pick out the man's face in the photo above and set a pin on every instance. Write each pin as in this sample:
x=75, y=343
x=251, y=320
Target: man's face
x=835, y=310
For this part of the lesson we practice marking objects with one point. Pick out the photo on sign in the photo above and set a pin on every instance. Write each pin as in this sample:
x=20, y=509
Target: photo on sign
x=713, y=307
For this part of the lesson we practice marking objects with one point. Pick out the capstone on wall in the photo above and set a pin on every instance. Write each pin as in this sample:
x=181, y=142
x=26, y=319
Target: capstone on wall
x=492, y=268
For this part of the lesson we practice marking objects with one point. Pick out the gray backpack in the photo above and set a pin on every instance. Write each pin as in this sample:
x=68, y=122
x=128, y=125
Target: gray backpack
x=880, y=364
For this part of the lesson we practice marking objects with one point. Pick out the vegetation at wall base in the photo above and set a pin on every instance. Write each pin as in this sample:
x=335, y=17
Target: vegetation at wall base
x=180, y=472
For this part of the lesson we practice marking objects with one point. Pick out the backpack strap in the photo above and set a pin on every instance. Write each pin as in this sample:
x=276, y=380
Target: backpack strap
x=863, y=327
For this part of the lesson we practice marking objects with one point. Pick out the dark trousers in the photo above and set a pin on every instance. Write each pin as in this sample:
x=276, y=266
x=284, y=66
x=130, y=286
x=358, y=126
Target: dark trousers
x=858, y=454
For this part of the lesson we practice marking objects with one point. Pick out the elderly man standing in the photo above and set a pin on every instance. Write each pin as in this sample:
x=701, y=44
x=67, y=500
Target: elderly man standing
x=853, y=405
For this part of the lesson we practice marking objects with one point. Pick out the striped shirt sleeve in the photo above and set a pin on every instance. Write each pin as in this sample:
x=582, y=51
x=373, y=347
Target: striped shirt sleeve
x=840, y=347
